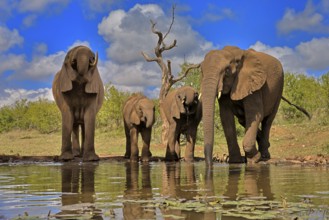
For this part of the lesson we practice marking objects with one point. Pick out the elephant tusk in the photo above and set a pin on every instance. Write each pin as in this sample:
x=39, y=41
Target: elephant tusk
x=96, y=60
x=199, y=96
x=219, y=94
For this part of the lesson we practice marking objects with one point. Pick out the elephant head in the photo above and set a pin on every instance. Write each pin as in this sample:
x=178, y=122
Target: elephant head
x=230, y=71
x=143, y=112
x=80, y=66
x=185, y=102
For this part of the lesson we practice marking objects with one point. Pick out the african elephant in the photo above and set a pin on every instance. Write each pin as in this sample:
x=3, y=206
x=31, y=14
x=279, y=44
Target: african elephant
x=78, y=91
x=139, y=117
x=183, y=113
x=248, y=84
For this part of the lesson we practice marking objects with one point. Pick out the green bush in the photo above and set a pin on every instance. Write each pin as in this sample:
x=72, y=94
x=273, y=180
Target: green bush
x=44, y=116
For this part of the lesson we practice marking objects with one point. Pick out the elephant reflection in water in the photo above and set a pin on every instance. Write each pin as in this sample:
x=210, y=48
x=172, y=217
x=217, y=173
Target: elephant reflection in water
x=78, y=190
x=249, y=181
x=179, y=180
x=135, y=192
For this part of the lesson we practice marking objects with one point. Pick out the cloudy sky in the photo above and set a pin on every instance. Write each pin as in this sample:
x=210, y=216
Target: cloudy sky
x=36, y=34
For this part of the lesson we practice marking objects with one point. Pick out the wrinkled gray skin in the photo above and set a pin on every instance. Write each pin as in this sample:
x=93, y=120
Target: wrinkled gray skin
x=183, y=112
x=139, y=117
x=251, y=85
x=78, y=91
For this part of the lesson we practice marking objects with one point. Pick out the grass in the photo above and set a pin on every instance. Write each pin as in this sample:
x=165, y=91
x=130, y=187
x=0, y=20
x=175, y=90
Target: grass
x=287, y=141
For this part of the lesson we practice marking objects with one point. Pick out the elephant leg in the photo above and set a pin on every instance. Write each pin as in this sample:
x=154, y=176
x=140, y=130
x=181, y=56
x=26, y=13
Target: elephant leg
x=190, y=142
x=75, y=140
x=146, y=136
x=67, y=126
x=134, y=144
x=264, y=136
x=171, y=154
x=263, y=142
x=177, y=145
x=253, y=106
x=128, y=143
x=89, y=153
x=228, y=123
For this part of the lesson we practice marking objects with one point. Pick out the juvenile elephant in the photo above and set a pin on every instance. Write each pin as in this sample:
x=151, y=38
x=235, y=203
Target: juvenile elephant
x=248, y=84
x=183, y=113
x=139, y=117
x=78, y=91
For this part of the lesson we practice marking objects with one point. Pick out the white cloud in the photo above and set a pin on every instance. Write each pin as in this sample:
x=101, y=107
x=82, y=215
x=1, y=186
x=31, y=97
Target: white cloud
x=78, y=43
x=9, y=38
x=304, y=58
x=11, y=62
x=29, y=20
x=309, y=20
x=30, y=9
x=40, y=5
x=10, y=96
x=42, y=67
x=129, y=32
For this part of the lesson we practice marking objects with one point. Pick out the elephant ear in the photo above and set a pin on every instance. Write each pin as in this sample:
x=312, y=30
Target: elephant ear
x=94, y=82
x=250, y=78
x=67, y=73
x=177, y=105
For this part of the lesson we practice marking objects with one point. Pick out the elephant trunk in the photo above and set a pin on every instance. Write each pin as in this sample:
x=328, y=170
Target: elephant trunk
x=209, y=90
x=83, y=65
x=149, y=119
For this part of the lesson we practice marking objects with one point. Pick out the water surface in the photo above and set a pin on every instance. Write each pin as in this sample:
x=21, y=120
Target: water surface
x=158, y=190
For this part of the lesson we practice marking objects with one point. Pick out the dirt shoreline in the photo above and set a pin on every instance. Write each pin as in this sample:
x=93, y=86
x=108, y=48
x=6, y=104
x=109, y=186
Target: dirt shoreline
x=313, y=160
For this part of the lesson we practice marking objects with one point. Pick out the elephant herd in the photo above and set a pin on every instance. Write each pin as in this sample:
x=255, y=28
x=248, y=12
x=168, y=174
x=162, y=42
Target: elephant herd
x=247, y=84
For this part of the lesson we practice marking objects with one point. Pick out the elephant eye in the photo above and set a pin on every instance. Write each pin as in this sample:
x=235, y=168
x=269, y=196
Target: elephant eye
x=237, y=62
x=74, y=64
x=140, y=111
x=227, y=71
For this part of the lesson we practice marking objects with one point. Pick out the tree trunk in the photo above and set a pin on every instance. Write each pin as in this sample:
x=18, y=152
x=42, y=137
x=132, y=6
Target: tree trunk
x=165, y=126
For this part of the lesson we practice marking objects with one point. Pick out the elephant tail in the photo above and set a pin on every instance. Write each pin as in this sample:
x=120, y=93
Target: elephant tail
x=297, y=107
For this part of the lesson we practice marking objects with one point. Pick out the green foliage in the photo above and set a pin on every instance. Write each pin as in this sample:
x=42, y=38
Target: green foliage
x=308, y=92
x=192, y=79
x=42, y=115
x=110, y=115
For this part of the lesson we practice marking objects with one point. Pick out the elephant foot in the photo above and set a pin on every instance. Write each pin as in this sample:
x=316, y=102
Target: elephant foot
x=145, y=159
x=189, y=159
x=90, y=156
x=236, y=159
x=266, y=155
x=254, y=159
x=171, y=156
x=66, y=156
x=76, y=153
x=146, y=156
x=127, y=155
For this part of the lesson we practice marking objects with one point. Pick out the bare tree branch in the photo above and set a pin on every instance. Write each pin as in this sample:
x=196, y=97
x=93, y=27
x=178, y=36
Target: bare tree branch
x=165, y=47
x=190, y=67
x=149, y=59
x=172, y=21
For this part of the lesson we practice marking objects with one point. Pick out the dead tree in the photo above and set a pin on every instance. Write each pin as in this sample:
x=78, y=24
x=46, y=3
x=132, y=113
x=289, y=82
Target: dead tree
x=167, y=79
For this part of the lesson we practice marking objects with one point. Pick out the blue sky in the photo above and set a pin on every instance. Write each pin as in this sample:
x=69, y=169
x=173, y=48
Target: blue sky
x=36, y=34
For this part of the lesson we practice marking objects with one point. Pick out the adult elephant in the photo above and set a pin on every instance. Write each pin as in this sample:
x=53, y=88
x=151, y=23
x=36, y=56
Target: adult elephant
x=78, y=91
x=183, y=112
x=248, y=84
x=139, y=117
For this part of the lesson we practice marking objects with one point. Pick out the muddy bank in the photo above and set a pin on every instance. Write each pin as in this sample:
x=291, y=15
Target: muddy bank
x=315, y=160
